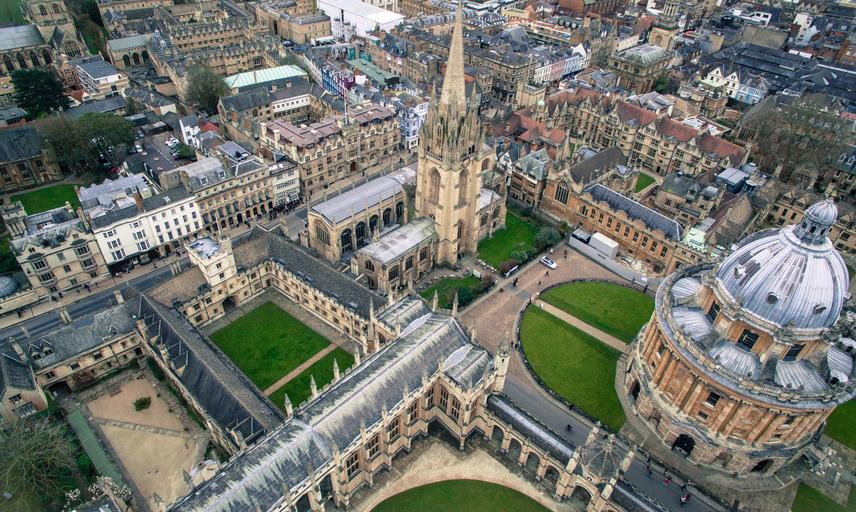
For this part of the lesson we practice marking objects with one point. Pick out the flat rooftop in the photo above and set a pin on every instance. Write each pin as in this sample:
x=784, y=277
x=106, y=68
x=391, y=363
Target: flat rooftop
x=205, y=247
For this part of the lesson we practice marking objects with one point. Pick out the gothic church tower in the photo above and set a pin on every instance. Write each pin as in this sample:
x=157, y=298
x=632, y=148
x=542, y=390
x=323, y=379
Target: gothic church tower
x=452, y=157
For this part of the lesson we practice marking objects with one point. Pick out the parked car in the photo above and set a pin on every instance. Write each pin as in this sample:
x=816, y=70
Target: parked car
x=548, y=262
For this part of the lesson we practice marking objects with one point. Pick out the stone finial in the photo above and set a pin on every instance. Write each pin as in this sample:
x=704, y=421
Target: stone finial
x=289, y=409
x=336, y=373
x=455, y=305
x=473, y=334
x=313, y=388
x=357, y=357
x=435, y=300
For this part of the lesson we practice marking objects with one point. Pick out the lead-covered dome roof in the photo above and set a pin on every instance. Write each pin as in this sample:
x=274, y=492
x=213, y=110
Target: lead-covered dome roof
x=792, y=277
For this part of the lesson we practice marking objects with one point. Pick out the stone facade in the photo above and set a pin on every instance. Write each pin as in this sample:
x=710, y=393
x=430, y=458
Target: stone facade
x=453, y=163
x=25, y=160
x=660, y=144
x=336, y=147
x=351, y=220
x=744, y=388
x=56, y=250
x=299, y=21
x=638, y=67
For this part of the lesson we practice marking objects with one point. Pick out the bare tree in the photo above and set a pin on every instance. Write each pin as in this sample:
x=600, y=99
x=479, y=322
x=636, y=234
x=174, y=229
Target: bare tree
x=37, y=458
x=805, y=132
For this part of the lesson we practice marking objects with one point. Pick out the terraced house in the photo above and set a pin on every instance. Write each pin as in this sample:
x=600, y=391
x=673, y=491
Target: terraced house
x=335, y=147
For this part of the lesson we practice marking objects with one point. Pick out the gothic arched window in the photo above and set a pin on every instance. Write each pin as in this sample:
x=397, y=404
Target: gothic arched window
x=56, y=8
x=562, y=193
x=434, y=185
x=462, y=187
x=42, y=10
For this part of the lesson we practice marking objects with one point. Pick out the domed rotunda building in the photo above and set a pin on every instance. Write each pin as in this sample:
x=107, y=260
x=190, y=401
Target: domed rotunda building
x=743, y=361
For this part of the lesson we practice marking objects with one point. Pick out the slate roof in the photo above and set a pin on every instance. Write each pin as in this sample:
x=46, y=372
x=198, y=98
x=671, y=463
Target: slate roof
x=22, y=36
x=597, y=164
x=401, y=240
x=259, y=245
x=219, y=387
x=404, y=312
x=363, y=197
x=525, y=424
x=82, y=335
x=111, y=104
x=97, y=68
x=154, y=202
x=256, y=478
x=635, y=210
x=21, y=143
x=14, y=373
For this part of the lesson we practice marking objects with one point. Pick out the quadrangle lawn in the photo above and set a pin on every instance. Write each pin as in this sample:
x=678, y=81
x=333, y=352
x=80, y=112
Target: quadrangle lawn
x=460, y=495
x=809, y=499
x=643, y=181
x=267, y=343
x=573, y=364
x=446, y=289
x=518, y=235
x=840, y=424
x=10, y=13
x=47, y=198
x=612, y=308
x=298, y=387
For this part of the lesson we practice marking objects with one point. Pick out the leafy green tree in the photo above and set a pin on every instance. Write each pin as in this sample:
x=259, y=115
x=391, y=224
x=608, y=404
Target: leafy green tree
x=663, y=84
x=520, y=256
x=38, y=91
x=546, y=237
x=78, y=144
x=205, y=87
x=37, y=458
x=105, y=132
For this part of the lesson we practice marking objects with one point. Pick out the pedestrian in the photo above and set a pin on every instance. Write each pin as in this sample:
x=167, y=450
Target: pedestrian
x=684, y=487
x=566, y=254
x=649, y=470
x=667, y=480
x=551, y=251
x=685, y=498
x=20, y=314
x=539, y=283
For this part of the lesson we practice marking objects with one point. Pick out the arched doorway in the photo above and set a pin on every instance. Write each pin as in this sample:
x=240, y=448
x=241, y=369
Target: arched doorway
x=551, y=476
x=514, y=450
x=496, y=437
x=240, y=218
x=684, y=445
x=532, y=462
x=634, y=390
x=136, y=57
x=126, y=60
x=353, y=167
x=580, y=497
x=762, y=466
x=228, y=304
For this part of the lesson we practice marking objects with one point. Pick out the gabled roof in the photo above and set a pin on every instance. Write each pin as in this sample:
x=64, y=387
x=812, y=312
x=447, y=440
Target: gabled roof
x=634, y=210
x=259, y=476
x=634, y=114
x=20, y=143
x=24, y=36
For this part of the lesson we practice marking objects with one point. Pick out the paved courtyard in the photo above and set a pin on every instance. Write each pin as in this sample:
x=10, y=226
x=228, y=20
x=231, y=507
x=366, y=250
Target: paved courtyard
x=495, y=315
x=153, y=446
x=433, y=460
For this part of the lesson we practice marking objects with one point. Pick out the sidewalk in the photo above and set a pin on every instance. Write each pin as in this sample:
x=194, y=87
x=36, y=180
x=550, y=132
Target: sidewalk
x=586, y=328
x=297, y=371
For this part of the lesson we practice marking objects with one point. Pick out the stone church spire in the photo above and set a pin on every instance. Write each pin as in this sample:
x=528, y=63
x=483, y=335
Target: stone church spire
x=454, y=84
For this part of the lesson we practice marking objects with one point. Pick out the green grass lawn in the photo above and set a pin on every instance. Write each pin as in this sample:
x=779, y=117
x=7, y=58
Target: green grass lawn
x=10, y=13
x=643, y=181
x=298, y=387
x=518, y=235
x=612, y=308
x=8, y=263
x=840, y=424
x=47, y=198
x=446, y=289
x=267, y=343
x=460, y=495
x=809, y=499
x=573, y=364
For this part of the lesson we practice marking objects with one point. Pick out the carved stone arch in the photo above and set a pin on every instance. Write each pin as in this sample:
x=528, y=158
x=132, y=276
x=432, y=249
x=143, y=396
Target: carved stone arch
x=533, y=461
x=7, y=63
x=463, y=185
x=580, y=496
x=22, y=63
x=126, y=60
x=34, y=59
x=514, y=449
x=497, y=436
x=43, y=10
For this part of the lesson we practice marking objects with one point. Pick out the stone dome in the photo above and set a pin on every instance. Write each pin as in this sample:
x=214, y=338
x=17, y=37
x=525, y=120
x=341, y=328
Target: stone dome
x=791, y=277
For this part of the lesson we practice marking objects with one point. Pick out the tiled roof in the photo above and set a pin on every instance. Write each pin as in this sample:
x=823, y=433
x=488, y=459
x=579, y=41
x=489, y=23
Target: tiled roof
x=400, y=241
x=23, y=36
x=20, y=143
x=635, y=210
